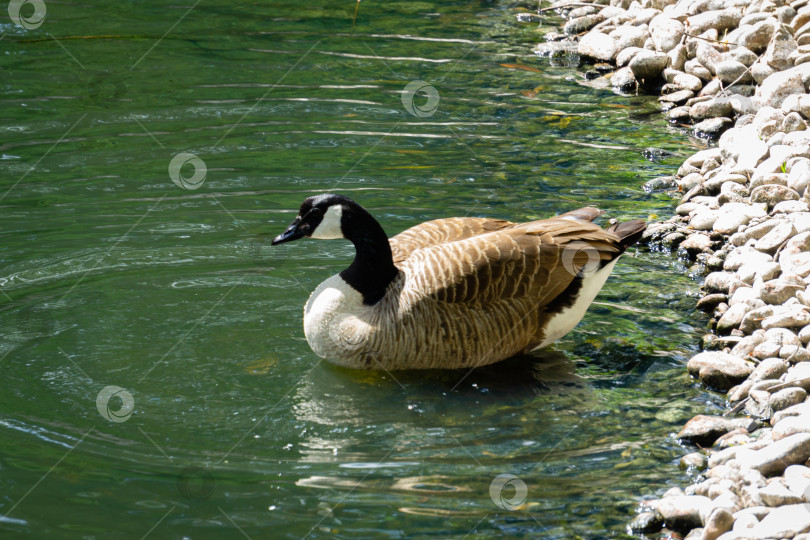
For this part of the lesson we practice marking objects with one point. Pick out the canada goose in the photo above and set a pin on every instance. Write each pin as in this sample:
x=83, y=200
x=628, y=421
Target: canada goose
x=455, y=292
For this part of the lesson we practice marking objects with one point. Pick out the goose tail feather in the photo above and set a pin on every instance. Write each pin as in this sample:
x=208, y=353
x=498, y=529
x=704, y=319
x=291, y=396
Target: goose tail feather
x=587, y=213
x=628, y=232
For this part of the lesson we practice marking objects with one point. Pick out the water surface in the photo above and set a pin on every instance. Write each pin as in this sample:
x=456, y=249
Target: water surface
x=111, y=275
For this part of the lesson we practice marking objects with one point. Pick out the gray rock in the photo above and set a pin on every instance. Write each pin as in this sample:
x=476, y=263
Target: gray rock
x=703, y=430
x=732, y=318
x=710, y=301
x=753, y=322
x=743, y=255
x=794, y=354
x=744, y=146
x=677, y=97
x=779, y=49
x=773, y=459
x=707, y=56
x=682, y=80
x=797, y=480
x=647, y=522
x=732, y=192
x=683, y=513
x=772, y=194
x=581, y=24
x=779, y=86
x=787, y=397
x=623, y=79
x=724, y=372
x=598, y=46
x=789, y=207
x=630, y=36
x=677, y=57
x=798, y=263
x=648, y=65
x=696, y=243
x=732, y=71
x=761, y=71
x=711, y=108
x=799, y=176
x=712, y=128
x=791, y=425
x=793, y=122
x=696, y=69
x=776, y=236
x=796, y=316
x=799, y=103
x=694, y=460
x=625, y=55
x=783, y=522
x=756, y=37
x=720, y=20
x=770, y=368
x=666, y=33
x=777, y=494
x=720, y=521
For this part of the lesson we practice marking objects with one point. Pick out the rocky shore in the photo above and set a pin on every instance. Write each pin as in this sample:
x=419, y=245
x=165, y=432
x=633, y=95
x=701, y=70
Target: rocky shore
x=737, y=70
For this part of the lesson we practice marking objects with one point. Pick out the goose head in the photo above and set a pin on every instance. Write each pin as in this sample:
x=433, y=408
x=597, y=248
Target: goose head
x=321, y=216
x=335, y=216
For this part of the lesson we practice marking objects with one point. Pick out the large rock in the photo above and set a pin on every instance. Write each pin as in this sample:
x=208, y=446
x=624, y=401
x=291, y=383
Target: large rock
x=666, y=33
x=773, y=458
x=598, y=45
x=783, y=522
x=712, y=108
x=684, y=512
x=719, y=370
x=732, y=71
x=799, y=103
x=743, y=146
x=772, y=194
x=648, y=65
x=703, y=430
x=779, y=49
x=756, y=37
x=776, y=88
x=707, y=56
x=719, y=20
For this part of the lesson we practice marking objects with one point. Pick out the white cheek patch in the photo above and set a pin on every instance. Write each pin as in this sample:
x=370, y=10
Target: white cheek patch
x=330, y=224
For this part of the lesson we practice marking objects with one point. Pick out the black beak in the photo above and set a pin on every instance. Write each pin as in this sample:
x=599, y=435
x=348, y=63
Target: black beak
x=293, y=232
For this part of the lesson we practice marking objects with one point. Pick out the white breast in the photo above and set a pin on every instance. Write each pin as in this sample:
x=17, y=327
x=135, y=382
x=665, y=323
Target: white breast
x=335, y=321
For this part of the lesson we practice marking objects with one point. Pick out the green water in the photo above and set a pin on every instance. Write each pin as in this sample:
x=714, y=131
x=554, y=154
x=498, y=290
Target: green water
x=112, y=275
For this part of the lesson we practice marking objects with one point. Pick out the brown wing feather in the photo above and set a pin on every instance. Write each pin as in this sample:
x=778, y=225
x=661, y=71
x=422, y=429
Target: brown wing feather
x=441, y=231
x=536, y=260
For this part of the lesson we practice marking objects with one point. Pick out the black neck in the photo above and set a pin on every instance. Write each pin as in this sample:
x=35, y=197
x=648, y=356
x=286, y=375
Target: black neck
x=373, y=266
